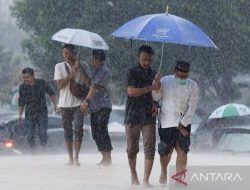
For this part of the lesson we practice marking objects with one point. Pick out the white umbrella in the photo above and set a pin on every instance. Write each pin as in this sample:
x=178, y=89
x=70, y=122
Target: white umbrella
x=230, y=110
x=81, y=38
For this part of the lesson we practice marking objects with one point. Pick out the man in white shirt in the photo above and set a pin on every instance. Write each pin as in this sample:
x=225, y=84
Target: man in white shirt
x=179, y=96
x=72, y=116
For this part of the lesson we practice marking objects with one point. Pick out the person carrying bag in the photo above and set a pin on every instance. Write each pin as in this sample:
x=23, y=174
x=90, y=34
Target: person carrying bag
x=79, y=90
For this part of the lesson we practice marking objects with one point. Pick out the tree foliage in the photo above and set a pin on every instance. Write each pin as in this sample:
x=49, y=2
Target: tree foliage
x=226, y=22
x=8, y=69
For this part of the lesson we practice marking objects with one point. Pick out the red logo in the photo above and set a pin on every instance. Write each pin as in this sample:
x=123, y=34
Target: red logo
x=179, y=177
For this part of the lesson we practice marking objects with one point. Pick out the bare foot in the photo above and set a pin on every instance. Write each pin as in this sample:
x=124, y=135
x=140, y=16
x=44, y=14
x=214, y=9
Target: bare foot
x=163, y=178
x=70, y=162
x=104, y=162
x=134, y=179
x=146, y=184
x=101, y=162
x=76, y=162
x=108, y=163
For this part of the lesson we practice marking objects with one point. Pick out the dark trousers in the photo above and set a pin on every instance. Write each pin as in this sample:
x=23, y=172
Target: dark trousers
x=99, y=127
x=39, y=123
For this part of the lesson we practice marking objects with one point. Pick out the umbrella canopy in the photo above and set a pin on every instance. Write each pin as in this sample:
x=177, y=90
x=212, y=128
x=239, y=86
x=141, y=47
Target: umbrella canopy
x=230, y=110
x=164, y=28
x=81, y=38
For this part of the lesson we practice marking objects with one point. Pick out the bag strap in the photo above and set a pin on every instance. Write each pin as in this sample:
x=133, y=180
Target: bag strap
x=81, y=67
x=67, y=68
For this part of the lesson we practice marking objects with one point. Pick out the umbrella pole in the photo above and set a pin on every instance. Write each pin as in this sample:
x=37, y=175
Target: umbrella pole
x=162, y=49
x=78, y=53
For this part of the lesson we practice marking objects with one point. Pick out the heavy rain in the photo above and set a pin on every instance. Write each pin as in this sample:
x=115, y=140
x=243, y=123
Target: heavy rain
x=216, y=46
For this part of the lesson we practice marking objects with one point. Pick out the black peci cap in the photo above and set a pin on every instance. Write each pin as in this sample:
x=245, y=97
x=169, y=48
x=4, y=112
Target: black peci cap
x=182, y=66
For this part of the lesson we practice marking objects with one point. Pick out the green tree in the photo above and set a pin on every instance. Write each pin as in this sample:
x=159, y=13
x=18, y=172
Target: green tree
x=226, y=22
x=8, y=77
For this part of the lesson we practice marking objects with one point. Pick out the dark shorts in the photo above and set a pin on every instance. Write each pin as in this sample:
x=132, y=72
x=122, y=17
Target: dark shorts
x=169, y=137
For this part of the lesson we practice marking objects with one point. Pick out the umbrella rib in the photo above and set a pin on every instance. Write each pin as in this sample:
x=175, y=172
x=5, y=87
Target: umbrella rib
x=195, y=44
x=78, y=30
x=73, y=36
x=149, y=20
x=152, y=18
x=180, y=34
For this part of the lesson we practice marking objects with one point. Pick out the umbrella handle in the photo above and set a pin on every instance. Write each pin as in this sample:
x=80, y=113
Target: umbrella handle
x=162, y=49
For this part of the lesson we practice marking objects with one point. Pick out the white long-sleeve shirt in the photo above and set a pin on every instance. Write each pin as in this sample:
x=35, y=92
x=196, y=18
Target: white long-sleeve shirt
x=178, y=102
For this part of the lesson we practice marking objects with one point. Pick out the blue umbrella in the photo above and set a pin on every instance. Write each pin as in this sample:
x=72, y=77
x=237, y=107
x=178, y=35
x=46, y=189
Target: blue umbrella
x=165, y=28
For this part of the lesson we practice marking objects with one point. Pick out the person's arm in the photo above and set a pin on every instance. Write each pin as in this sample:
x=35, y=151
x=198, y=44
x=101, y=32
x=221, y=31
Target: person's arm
x=20, y=116
x=188, y=115
x=51, y=94
x=155, y=108
x=182, y=129
x=54, y=101
x=21, y=100
x=60, y=80
x=21, y=105
x=158, y=93
x=20, y=112
x=100, y=81
x=85, y=104
x=64, y=82
x=92, y=91
x=135, y=92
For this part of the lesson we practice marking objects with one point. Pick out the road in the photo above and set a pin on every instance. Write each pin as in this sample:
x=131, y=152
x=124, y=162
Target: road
x=48, y=172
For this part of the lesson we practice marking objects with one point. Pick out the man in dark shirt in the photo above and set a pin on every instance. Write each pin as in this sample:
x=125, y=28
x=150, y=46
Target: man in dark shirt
x=32, y=98
x=140, y=113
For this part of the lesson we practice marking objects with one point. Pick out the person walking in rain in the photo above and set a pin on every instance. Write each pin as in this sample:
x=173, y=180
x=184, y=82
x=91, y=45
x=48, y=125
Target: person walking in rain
x=32, y=98
x=98, y=102
x=72, y=116
x=140, y=115
x=179, y=96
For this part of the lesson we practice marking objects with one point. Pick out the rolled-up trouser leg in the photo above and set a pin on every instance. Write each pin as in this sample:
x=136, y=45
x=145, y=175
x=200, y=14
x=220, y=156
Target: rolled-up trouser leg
x=149, y=133
x=133, y=137
x=78, y=116
x=99, y=128
x=67, y=118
